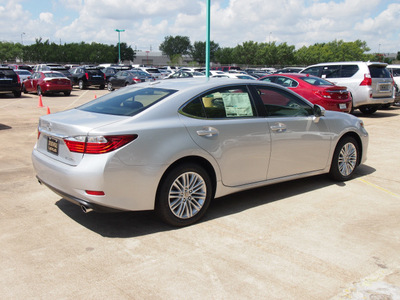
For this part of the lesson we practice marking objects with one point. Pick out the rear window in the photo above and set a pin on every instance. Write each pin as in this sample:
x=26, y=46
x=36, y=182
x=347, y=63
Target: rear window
x=395, y=71
x=127, y=102
x=379, y=72
x=7, y=72
x=316, y=81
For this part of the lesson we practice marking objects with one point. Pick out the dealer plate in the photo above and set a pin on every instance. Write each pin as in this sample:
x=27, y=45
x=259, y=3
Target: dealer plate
x=52, y=145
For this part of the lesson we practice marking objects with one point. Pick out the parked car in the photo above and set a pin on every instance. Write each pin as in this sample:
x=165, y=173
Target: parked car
x=395, y=71
x=128, y=77
x=47, y=82
x=88, y=76
x=235, y=75
x=21, y=67
x=112, y=70
x=23, y=74
x=10, y=82
x=153, y=72
x=289, y=70
x=174, y=145
x=314, y=89
x=369, y=83
x=185, y=74
x=53, y=67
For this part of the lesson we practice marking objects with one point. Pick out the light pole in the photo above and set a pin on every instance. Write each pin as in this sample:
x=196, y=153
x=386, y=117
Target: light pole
x=119, y=44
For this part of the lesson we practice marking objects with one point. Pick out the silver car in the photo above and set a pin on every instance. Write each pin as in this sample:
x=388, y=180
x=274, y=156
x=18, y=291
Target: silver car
x=174, y=145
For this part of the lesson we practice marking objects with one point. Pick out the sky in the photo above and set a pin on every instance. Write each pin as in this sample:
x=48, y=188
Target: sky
x=148, y=22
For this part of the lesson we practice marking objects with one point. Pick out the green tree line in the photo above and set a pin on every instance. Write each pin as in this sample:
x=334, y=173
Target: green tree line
x=248, y=53
x=44, y=51
x=269, y=54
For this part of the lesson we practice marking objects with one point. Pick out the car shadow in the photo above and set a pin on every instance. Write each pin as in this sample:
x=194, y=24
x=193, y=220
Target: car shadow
x=4, y=127
x=382, y=113
x=133, y=224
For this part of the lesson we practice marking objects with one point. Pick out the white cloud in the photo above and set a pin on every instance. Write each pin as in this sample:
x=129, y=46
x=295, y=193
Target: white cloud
x=147, y=22
x=46, y=17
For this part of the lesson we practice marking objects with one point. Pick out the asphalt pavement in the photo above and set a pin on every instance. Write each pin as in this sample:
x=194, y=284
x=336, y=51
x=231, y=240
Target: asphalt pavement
x=305, y=239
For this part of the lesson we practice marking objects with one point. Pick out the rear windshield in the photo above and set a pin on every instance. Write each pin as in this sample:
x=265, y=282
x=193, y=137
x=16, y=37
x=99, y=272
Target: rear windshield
x=54, y=75
x=379, y=72
x=316, y=81
x=7, y=72
x=126, y=102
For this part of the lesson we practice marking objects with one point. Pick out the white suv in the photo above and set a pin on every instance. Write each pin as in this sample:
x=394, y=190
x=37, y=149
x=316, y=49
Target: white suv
x=395, y=71
x=370, y=83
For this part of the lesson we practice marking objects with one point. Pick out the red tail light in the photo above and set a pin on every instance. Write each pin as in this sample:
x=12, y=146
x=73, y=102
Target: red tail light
x=322, y=94
x=87, y=76
x=105, y=77
x=95, y=193
x=97, y=144
x=367, y=80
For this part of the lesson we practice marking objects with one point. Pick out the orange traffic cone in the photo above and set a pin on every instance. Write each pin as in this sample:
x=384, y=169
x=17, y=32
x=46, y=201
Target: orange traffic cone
x=95, y=97
x=40, y=101
x=48, y=110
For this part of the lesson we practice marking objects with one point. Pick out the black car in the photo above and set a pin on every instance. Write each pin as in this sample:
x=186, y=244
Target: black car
x=124, y=78
x=9, y=82
x=88, y=76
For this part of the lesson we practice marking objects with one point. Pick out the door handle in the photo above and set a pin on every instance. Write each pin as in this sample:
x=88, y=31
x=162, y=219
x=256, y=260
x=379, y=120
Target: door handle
x=207, y=132
x=278, y=127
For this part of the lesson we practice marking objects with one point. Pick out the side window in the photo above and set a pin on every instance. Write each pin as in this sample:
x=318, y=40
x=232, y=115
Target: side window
x=331, y=71
x=278, y=103
x=269, y=79
x=230, y=102
x=286, y=82
x=348, y=71
x=312, y=71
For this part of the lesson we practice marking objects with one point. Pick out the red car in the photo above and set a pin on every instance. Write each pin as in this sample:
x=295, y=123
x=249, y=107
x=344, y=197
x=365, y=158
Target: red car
x=47, y=82
x=314, y=89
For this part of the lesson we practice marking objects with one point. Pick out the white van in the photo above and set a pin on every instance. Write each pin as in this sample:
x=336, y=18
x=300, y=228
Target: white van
x=370, y=83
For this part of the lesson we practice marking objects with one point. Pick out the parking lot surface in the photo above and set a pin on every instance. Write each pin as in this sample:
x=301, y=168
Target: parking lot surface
x=305, y=239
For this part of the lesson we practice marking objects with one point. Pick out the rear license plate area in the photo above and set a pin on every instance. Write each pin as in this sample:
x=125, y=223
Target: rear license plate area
x=342, y=106
x=52, y=145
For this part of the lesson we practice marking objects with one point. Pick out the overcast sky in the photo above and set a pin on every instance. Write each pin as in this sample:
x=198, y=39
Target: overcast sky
x=147, y=22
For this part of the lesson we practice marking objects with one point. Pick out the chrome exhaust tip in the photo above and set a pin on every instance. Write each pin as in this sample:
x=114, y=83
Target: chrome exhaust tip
x=86, y=209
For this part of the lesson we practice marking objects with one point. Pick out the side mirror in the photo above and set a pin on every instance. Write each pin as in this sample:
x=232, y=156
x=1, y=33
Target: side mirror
x=319, y=112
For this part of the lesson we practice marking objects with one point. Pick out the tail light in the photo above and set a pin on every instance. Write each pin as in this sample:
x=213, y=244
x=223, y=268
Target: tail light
x=87, y=76
x=136, y=79
x=323, y=94
x=18, y=79
x=105, y=77
x=367, y=80
x=97, y=144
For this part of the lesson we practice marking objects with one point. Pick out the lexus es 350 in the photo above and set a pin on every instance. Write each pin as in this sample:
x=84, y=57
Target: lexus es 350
x=173, y=146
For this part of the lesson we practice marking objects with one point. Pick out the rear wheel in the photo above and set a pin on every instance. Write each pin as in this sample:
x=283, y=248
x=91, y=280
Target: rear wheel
x=39, y=91
x=67, y=93
x=110, y=86
x=368, y=110
x=101, y=87
x=345, y=159
x=184, y=195
x=24, y=89
x=17, y=94
x=81, y=84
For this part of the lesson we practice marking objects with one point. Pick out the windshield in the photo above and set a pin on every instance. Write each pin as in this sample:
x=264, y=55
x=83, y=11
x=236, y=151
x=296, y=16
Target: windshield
x=126, y=102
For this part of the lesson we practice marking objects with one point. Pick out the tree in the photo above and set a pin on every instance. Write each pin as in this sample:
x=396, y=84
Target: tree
x=198, y=51
x=178, y=45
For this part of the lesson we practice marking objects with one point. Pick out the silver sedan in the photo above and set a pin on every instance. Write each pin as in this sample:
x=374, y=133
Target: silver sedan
x=174, y=145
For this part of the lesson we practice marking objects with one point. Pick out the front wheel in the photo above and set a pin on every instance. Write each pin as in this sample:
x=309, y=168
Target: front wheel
x=39, y=91
x=345, y=159
x=184, y=195
x=368, y=110
x=110, y=86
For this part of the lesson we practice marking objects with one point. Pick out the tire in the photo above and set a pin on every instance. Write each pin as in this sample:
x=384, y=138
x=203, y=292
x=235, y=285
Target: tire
x=386, y=106
x=101, y=87
x=345, y=159
x=81, y=84
x=39, y=91
x=184, y=195
x=17, y=94
x=24, y=89
x=110, y=87
x=67, y=93
x=368, y=110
